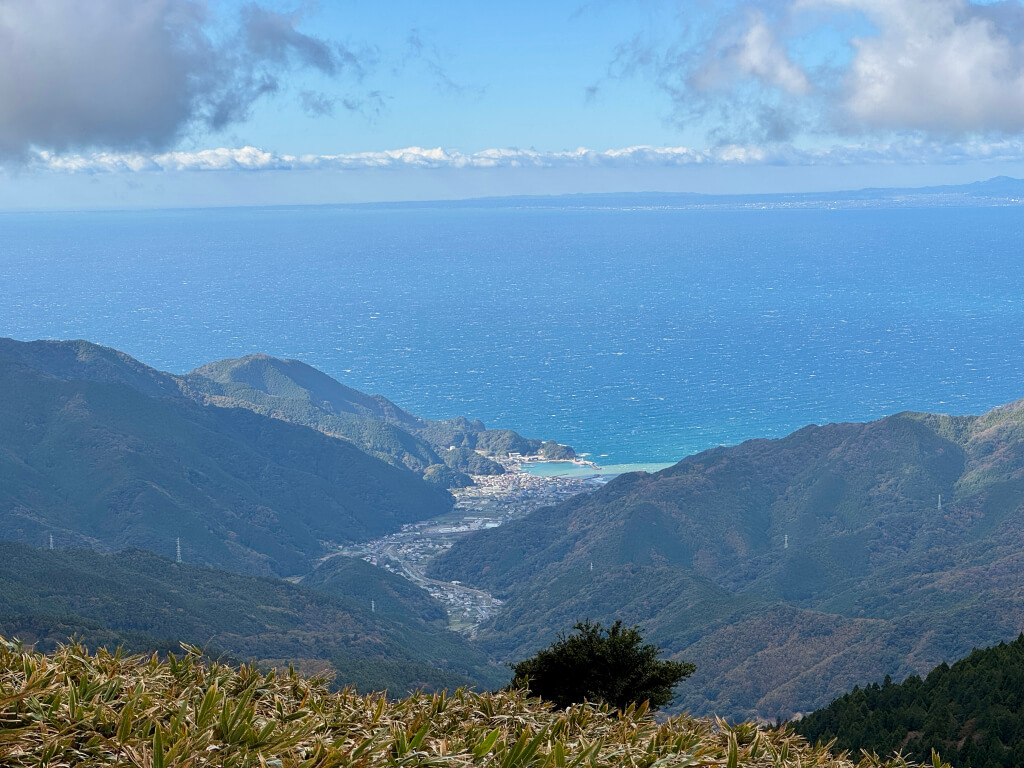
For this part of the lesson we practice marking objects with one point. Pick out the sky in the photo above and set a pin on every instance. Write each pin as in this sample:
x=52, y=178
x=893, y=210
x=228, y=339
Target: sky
x=125, y=103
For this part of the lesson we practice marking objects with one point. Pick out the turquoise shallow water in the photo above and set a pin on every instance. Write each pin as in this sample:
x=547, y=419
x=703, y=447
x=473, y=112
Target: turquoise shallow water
x=634, y=335
x=568, y=469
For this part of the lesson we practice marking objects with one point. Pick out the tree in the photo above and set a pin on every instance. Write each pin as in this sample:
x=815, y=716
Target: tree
x=614, y=666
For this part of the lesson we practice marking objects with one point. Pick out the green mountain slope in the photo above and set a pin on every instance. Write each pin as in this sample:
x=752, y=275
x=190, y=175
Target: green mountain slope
x=290, y=390
x=151, y=603
x=972, y=713
x=393, y=596
x=294, y=391
x=88, y=455
x=787, y=570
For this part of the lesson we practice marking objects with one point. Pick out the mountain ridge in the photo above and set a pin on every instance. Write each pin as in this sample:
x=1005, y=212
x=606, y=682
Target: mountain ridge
x=997, y=190
x=785, y=569
x=87, y=455
x=291, y=390
x=294, y=391
x=150, y=603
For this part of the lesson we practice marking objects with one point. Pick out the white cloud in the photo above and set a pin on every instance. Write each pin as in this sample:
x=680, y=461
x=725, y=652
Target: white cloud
x=750, y=49
x=940, y=66
x=785, y=69
x=764, y=57
x=253, y=159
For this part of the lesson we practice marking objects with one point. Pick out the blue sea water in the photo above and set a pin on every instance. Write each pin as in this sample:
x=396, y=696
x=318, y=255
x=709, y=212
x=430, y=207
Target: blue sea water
x=636, y=335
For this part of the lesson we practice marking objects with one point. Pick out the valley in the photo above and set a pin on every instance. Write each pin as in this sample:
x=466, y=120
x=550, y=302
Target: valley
x=491, y=502
x=787, y=570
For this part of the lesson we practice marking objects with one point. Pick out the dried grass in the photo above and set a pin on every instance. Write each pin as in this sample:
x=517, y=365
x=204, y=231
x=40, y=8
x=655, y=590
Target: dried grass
x=72, y=708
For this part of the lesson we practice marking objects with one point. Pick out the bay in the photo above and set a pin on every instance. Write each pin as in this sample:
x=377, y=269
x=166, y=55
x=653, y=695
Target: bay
x=637, y=335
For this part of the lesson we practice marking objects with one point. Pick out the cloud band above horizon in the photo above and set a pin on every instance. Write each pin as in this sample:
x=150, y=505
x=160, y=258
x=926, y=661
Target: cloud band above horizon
x=253, y=159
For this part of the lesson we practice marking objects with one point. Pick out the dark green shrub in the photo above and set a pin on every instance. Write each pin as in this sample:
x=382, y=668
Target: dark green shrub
x=613, y=666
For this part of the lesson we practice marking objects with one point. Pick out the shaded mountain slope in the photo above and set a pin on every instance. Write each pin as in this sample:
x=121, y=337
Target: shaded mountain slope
x=104, y=465
x=135, y=596
x=785, y=569
x=84, y=361
x=290, y=390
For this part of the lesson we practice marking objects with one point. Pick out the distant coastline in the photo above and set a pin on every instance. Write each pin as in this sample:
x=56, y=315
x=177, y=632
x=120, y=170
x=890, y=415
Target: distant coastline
x=762, y=346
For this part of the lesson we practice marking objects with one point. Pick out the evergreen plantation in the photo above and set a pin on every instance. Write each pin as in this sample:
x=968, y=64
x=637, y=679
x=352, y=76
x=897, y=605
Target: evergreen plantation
x=972, y=713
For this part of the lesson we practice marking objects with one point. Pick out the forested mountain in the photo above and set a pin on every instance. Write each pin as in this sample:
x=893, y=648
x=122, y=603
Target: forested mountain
x=787, y=570
x=294, y=391
x=971, y=713
x=100, y=451
x=393, y=596
x=150, y=603
x=85, y=361
x=443, y=453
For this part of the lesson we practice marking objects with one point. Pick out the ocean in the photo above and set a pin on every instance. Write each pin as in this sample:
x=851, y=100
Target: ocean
x=635, y=334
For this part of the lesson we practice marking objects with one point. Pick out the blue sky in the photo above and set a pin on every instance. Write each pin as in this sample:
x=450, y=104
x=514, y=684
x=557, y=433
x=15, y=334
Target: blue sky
x=112, y=103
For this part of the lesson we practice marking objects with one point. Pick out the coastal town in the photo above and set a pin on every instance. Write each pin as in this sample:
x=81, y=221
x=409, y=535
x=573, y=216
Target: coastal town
x=492, y=501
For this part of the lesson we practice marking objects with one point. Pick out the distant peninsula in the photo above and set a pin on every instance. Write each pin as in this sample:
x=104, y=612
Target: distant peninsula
x=296, y=392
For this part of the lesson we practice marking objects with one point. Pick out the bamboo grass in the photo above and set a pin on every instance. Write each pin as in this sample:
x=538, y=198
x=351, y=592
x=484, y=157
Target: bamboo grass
x=73, y=708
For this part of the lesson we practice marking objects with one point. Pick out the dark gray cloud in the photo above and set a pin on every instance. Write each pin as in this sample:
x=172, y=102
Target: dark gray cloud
x=140, y=74
x=272, y=38
x=316, y=104
x=370, y=104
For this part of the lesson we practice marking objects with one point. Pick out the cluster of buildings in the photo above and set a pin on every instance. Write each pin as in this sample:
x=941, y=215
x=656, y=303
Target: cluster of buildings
x=467, y=608
x=494, y=500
